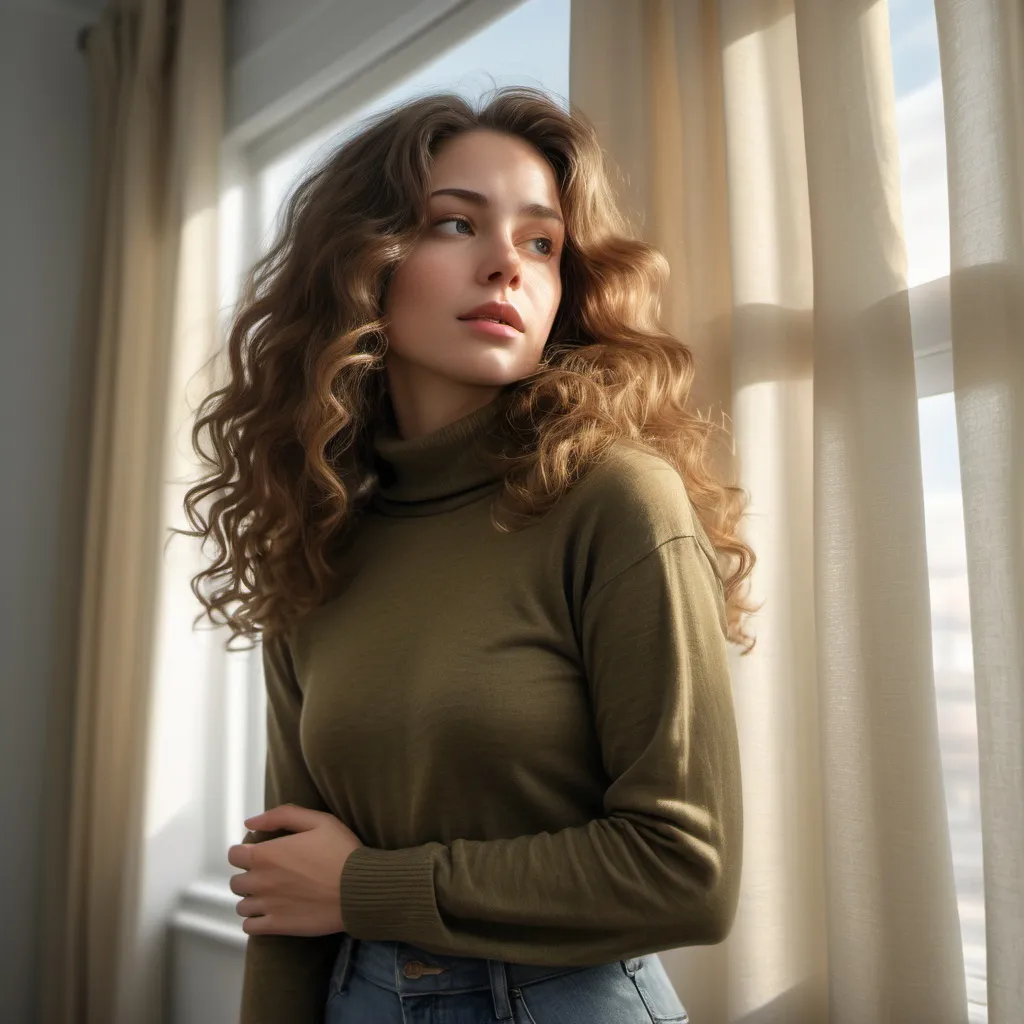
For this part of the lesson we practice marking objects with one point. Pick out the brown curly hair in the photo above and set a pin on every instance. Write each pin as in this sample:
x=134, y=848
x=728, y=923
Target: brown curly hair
x=291, y=429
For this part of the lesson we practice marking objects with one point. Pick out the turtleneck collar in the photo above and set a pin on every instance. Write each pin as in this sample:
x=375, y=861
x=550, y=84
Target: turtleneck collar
x=437, y=472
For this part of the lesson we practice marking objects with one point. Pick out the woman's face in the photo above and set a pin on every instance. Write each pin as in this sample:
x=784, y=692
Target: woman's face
x=440, y=368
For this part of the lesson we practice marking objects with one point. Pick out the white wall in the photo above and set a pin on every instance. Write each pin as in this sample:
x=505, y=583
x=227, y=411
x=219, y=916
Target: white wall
x=44, y=379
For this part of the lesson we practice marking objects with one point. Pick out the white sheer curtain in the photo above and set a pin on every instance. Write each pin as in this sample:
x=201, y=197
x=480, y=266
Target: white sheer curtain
x=757, y=144
x=981, y=44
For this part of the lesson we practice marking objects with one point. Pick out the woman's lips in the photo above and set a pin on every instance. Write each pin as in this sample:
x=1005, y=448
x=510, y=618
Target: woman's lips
x=491, y=327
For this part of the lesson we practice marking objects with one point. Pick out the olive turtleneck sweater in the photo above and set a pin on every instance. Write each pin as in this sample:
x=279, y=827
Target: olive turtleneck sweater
x=532, y=732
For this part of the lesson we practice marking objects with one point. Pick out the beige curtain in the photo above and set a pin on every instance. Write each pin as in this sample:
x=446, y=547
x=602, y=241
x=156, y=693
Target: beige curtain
x=981, y=45
x=148, y=312
x=758, y=148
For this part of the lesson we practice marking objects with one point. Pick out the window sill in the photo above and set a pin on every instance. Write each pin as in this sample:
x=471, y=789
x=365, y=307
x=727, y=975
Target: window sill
x=207, y=909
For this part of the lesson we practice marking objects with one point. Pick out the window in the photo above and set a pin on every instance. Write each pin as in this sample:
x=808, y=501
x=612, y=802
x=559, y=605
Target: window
x=922, y=143
x=954, y=679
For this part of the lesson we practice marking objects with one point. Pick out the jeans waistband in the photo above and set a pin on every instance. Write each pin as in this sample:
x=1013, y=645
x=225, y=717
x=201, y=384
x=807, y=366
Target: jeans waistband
x=405, y=970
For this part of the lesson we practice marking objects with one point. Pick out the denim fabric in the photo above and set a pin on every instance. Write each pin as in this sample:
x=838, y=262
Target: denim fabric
x=395, y=983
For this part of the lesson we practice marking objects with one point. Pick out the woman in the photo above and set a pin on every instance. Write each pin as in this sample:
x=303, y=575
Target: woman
x=459, y=491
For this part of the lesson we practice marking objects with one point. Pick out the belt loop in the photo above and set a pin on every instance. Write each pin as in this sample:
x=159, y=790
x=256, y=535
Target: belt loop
x=499, y=989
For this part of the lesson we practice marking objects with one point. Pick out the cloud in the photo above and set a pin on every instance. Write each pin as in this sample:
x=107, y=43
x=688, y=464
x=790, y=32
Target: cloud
x=922, y=141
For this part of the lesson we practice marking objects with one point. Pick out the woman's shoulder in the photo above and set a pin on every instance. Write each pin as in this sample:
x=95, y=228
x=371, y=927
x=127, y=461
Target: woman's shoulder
x=633, y=487
x=629, y=504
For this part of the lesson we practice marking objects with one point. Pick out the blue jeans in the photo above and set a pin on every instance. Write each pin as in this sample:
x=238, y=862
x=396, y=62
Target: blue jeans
x=395, y=983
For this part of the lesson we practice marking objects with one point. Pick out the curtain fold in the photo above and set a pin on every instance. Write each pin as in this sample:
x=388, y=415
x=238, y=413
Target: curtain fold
x=893, y=930
x=757, y=146
x=147, y=310
x=981, y=47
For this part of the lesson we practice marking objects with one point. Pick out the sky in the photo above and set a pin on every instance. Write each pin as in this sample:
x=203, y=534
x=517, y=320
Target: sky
x=922, y=139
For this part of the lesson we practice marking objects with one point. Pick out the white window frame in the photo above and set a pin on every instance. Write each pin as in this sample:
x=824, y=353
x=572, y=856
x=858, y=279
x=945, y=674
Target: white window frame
x=933, y=337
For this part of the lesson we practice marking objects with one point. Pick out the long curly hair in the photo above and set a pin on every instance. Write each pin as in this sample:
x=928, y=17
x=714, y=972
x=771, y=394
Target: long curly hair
x=291, y=430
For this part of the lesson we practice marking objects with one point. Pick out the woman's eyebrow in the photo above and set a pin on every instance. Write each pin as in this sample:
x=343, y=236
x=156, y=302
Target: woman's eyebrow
x=479, y=199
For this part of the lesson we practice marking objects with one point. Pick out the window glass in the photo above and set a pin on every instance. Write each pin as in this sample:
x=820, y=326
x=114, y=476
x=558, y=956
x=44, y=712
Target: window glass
x=954, y=679
x=922, y=143
x=922, y=138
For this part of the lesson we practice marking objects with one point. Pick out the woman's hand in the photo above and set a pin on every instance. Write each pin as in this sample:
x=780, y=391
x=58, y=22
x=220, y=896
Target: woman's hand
x=292, y=885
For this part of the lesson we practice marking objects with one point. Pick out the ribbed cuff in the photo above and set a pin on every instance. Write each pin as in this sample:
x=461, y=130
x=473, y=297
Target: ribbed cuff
x=389, y=893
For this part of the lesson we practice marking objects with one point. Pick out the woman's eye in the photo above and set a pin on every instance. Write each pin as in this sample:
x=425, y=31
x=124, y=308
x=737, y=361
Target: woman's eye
x=456, y=220
x=462, y=220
